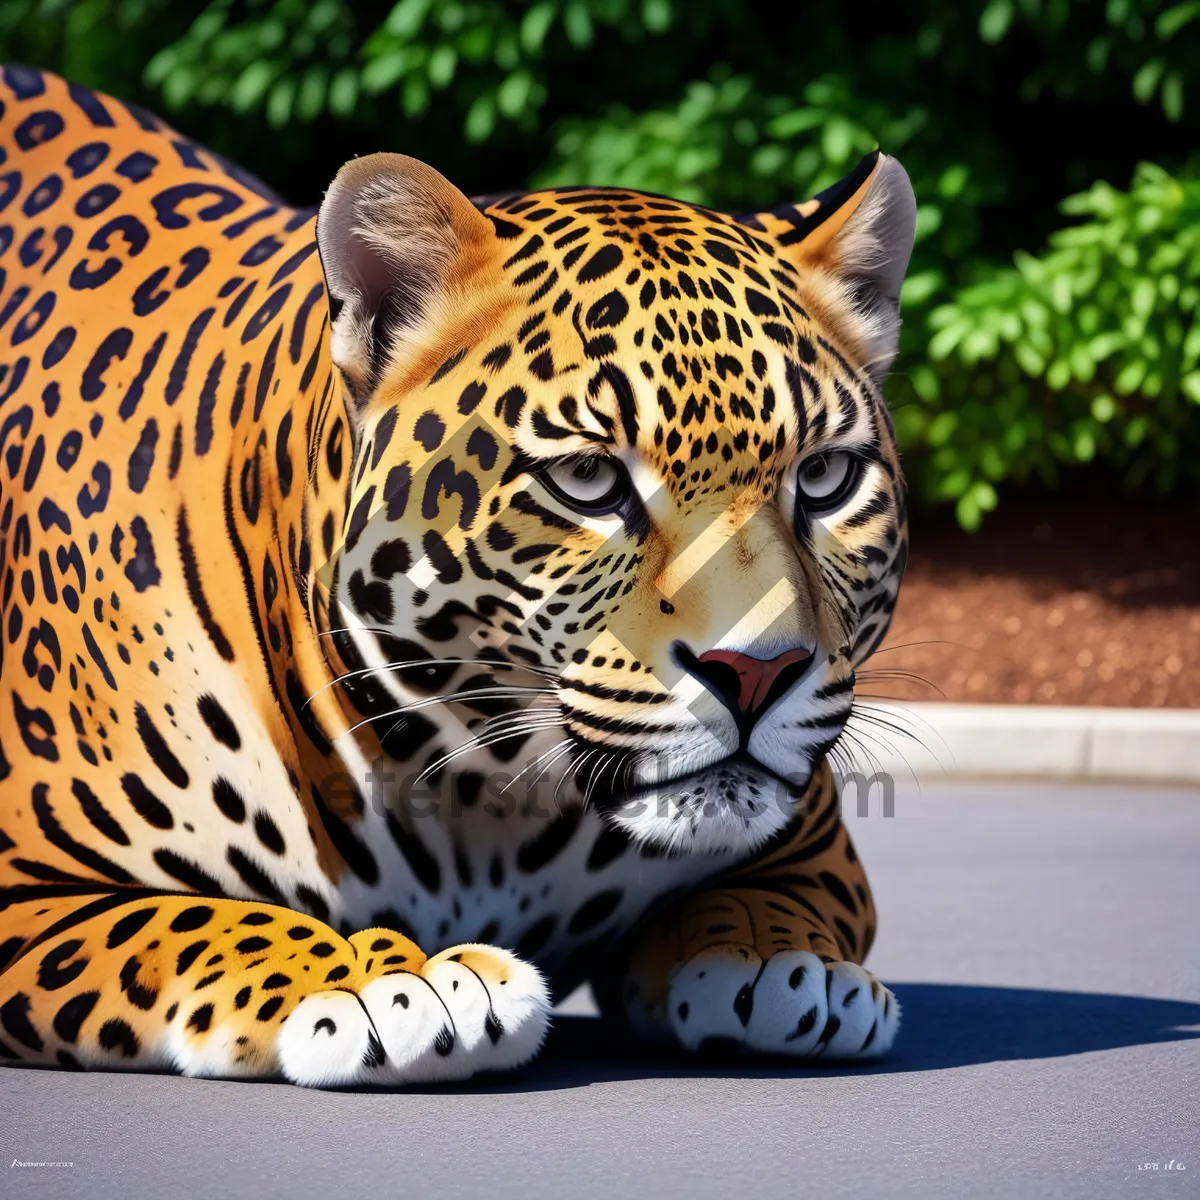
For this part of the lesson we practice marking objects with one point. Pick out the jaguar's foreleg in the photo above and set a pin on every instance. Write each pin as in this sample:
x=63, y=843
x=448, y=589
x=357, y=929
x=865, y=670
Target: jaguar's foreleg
x=232, y=988
x=769, y=958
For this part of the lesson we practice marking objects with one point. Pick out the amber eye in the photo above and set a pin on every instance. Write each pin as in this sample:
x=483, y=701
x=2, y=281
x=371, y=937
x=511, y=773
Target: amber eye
x=592, y=484
x=825, y=482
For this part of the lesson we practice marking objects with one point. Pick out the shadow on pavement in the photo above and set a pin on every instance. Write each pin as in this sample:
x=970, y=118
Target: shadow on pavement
x=944, y=1025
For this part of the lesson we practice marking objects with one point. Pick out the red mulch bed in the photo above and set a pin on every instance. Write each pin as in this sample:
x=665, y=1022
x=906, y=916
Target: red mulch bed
x=1086, y=601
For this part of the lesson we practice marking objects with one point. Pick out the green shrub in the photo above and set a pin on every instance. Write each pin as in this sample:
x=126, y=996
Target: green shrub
x=1088, y=352
x=998, y=108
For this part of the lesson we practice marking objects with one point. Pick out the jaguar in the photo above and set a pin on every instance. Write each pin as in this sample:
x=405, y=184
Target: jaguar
x=418, y=606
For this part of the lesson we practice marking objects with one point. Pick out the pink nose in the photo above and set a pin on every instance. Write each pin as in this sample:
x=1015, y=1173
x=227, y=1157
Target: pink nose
x=756, y=675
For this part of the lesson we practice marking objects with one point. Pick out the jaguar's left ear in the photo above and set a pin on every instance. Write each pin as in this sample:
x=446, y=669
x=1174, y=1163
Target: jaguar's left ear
x=853, y=243
x=400, y=247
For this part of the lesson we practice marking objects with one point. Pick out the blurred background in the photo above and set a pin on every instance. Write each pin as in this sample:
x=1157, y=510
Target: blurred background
x=1047, y=396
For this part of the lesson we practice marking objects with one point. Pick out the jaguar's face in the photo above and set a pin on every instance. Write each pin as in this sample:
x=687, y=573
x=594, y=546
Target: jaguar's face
x=635, y=451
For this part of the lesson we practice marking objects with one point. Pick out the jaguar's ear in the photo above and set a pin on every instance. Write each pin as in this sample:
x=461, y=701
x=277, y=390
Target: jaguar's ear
x=397, y=241
x=853, y=241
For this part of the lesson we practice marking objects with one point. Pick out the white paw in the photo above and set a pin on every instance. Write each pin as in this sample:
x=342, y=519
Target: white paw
x=327, y=1041
x=468, y=1010
x=863, y=1015
x=793, y=1004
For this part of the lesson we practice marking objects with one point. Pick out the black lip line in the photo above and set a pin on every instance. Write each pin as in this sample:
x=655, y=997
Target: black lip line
x=739, y=756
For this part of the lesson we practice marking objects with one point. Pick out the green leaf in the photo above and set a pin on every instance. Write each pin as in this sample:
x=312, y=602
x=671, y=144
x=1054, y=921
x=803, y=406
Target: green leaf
x=968, y=512
x=407, y=18
x=1175, y=18
x=1145, y=81
x=577, y=24
x=481, y=118
x=441, y=65
x=995, y=20
x=251, y=86
x=386, y=71
x=310, y=99
x=656, y=15
x=535, y=25
x=343, y=93
x=514, y=93
x=1172, y=96
x=279, y=102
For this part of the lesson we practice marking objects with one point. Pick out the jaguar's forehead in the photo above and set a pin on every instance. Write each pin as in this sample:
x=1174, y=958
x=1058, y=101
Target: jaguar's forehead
x=652, y=323
x=670, y=255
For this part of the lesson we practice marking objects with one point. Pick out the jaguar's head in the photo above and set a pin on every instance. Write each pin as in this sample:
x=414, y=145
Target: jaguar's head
x=634, y=453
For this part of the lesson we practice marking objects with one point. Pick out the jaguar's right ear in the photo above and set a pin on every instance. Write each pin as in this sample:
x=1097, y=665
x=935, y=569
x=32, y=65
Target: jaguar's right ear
x=396, y=240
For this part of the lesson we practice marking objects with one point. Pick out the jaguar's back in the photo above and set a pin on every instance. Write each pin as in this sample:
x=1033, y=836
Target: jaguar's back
x=154, y=300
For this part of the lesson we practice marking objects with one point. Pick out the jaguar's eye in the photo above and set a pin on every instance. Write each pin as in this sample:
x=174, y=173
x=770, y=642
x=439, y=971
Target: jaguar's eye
x=825, y=482
x=592, y=484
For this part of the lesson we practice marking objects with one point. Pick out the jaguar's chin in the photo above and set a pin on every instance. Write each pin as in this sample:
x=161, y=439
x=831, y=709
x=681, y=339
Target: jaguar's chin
x=731, y=806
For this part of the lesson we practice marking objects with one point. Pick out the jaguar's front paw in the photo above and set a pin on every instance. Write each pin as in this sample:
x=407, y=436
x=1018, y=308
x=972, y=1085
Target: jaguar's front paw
x=467, y=1010
x=792, y=1003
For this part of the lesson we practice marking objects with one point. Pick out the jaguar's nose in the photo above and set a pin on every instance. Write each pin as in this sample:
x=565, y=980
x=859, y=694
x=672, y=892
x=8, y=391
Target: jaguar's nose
x=746, y=685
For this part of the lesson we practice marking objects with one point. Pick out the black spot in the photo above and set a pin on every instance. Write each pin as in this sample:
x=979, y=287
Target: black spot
x=610, y=845
x=188, y=955
x=610, y=309
x=9, y=948
x=219, y=723
x=423, y=865
x=227, y=798
x=195, y=587
x=115, y=1034
x=104, y=822
x=139, y=995
x=539, y=851
x=269, y=1009
x=201, y=1019
x=338, y=972
x=253, y=876
x=147, y=805
x=192, y=918
x=593, y=911
x=252, y=945
x=268, y=833
x=605, y=260
x=187, y=872
x=160, y=753
x=429, y=430
x=142, y=568
x=128, y=925
x=71, y=1016
x=275, y=980
x=346, y=842
x=14, y=1018
x=55, y=972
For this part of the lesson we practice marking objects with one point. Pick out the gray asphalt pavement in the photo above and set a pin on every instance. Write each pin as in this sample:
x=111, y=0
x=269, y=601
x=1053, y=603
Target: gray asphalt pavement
x=1043, y=941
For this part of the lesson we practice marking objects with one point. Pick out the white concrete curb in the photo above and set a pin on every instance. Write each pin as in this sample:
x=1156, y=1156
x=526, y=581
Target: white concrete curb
x=1035, y=741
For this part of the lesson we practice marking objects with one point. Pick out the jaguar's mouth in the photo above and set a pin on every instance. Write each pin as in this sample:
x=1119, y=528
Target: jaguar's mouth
x=737, y=768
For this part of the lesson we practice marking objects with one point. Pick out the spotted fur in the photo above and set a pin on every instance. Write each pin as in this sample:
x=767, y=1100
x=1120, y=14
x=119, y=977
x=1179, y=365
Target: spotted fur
x=300, y=640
